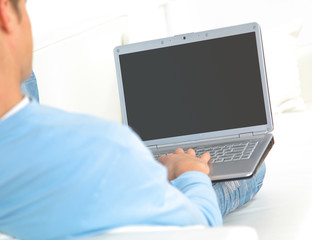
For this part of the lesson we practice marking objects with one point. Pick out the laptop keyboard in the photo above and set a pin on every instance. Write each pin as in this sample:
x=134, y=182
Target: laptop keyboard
x=225, y=152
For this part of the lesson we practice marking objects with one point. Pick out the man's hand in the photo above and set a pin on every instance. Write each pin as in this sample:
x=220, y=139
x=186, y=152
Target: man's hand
x=180, y=162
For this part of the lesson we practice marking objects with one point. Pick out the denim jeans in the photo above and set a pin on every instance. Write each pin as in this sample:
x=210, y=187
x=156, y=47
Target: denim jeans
x=231, y=195
x=30, y=88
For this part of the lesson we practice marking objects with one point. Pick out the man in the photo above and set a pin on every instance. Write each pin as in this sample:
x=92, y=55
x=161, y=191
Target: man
x=66, y=175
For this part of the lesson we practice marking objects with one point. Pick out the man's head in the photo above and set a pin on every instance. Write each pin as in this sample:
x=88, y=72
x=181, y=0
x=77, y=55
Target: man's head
x=15, y=5
x=15, y=51
x=16, y=36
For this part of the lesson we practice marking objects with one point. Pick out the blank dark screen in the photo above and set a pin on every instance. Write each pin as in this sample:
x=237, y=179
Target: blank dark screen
x=194, y=88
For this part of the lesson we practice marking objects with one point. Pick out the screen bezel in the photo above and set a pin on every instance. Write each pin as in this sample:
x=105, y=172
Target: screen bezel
x=196, y=37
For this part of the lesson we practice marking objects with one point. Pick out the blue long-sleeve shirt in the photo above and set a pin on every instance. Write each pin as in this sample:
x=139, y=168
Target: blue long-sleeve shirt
x=66, y=175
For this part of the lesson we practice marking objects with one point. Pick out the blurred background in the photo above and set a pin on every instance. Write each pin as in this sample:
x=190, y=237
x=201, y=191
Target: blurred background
x=74, y=41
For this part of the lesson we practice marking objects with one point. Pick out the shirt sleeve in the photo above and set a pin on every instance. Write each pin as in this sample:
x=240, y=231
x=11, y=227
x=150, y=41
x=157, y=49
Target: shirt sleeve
x=198, y=188
x=188, y=200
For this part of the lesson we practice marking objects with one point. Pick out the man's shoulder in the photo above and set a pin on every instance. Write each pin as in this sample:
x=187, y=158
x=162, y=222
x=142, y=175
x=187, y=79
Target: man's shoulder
x=76, y=124
x=54, y=116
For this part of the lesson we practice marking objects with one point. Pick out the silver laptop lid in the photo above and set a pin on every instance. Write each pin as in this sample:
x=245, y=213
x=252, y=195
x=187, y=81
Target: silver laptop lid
x=195, y=86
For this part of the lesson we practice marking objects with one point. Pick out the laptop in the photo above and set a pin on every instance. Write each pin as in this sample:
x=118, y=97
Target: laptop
x=207, y=91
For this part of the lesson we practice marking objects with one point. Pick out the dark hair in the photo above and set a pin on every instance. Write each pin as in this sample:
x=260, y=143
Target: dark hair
x=15, y=5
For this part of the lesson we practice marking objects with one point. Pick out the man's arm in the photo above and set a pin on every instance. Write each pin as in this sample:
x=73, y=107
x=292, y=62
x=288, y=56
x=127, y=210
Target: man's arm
x=230, y=195
x=190, y=175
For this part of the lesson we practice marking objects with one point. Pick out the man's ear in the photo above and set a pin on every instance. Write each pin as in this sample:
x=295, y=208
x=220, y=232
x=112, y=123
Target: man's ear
x=6, y=16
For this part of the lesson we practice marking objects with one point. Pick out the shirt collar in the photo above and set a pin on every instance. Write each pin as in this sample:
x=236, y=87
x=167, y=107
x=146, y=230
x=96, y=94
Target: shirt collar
x=23, y=103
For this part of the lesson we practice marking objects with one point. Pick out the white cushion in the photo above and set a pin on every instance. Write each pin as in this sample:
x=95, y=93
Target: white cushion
x=181, y=233
x=77, y=74
x=172, y=233
x=5, y=237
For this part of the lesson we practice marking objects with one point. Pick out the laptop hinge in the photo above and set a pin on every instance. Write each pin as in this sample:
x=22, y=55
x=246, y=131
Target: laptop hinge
x=246, y=135
x=260, y=133
x=192, y=142
x=250, y=134
x=153, y=147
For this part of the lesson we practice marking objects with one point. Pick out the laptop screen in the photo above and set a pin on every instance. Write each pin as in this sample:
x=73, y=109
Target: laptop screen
x=193, y=88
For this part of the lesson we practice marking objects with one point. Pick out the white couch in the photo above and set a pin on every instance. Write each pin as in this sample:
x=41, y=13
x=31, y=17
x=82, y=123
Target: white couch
x=73, y=62
x=283, y=207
